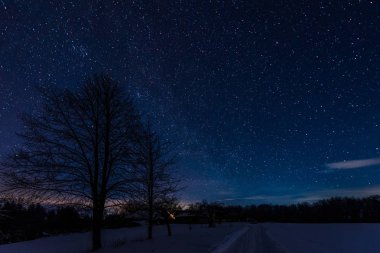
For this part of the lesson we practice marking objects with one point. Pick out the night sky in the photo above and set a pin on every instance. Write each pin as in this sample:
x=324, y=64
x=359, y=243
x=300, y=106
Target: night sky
x=264, y=100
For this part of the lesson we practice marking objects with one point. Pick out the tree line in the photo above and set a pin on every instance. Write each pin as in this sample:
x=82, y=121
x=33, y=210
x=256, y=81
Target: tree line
x=90, y=147
x=332, y=210
x=20, y=222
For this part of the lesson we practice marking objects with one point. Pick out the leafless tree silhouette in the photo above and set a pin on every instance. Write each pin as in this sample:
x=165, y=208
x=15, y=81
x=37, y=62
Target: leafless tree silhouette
x=153, y=172
x=77, y=148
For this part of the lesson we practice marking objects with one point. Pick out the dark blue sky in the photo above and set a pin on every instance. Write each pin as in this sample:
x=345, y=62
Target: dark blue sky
x=260, y=97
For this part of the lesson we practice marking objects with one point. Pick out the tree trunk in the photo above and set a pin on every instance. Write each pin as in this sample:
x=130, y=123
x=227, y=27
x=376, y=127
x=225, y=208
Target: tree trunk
x=150, y=196
x=97, y=220
x=168, y=225
x=150, y=222
x=211, y=221
x=150, y=228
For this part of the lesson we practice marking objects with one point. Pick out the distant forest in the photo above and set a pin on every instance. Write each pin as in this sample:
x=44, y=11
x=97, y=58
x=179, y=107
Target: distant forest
x=19, y=222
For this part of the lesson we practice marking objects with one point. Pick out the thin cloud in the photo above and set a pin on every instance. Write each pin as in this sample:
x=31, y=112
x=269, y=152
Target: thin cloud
x=308, y=196
x=354, y=164
x=263, y=199
x=344, y=192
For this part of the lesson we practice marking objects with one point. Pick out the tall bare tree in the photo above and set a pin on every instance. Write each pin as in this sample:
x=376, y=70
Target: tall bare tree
x=77, y=148
x=153, y=173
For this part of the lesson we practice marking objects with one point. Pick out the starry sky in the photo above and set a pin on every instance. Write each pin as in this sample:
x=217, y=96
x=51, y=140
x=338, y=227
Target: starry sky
x=266, y=101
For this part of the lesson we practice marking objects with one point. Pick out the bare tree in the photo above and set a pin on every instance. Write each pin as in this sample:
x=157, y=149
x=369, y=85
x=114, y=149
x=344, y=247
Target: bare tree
x=77, y=149
x=155, y=181
x=168, y=207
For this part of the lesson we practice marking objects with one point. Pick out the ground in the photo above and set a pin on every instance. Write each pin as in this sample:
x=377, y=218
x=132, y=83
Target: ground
x=225, y=238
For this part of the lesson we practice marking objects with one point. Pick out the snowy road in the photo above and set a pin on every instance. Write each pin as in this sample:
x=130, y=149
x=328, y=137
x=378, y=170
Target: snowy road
x=265, y=244
x=250, y=239
x=301, y=238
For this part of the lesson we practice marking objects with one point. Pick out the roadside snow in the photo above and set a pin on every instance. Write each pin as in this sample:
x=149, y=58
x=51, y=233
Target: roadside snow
x=325, y=238
x=301, y=238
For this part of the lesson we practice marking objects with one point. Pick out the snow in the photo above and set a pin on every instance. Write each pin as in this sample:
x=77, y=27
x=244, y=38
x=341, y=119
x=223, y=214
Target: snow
x=232, y=241
x=325, y=238
x=199, y=239
x=252, y=238
x=300, y=238
x=225, y=238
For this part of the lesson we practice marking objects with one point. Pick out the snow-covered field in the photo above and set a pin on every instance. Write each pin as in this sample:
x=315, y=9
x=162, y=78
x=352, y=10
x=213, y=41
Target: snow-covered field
x=199, y=239
x=225, y=238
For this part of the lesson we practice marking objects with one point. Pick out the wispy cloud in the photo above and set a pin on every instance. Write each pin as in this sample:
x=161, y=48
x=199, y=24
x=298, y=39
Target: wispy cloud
x=308, y=196
x=354, y=164
x=273, y=199
x=227, y=192
x=343, y=192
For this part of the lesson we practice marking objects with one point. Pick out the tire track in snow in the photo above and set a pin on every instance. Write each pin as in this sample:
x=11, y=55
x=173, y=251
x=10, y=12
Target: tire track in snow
x=265, y=244
x=250, y=239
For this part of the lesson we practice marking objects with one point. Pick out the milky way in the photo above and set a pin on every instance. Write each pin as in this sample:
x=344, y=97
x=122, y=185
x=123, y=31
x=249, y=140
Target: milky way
x=259, y=97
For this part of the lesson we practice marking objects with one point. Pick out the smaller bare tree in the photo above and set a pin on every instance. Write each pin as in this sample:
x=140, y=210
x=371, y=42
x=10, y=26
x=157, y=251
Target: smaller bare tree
x=168, y=208
x=153, y=174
